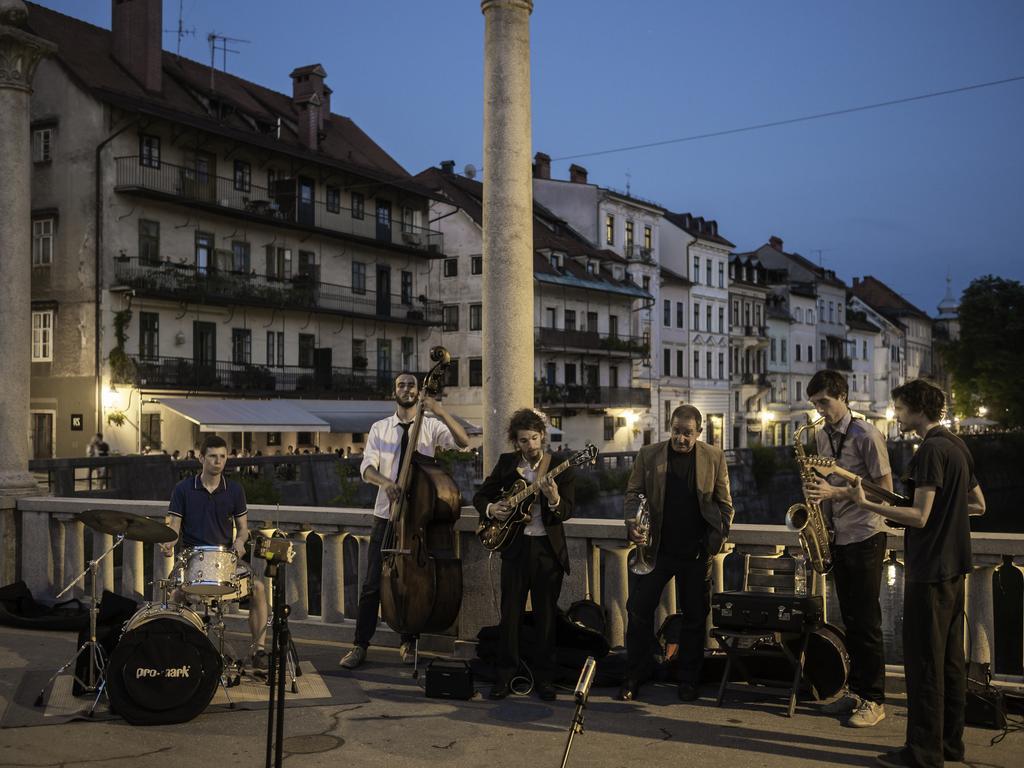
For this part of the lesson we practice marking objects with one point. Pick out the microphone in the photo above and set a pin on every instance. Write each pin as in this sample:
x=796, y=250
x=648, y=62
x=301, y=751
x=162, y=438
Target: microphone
x=586, y=678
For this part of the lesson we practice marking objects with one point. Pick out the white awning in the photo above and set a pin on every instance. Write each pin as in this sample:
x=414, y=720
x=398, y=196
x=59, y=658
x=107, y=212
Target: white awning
x=358, y=415
x=214, y=415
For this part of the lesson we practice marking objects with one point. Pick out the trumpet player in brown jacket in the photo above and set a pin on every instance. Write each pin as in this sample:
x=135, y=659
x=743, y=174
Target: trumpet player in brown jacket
x=686, y=484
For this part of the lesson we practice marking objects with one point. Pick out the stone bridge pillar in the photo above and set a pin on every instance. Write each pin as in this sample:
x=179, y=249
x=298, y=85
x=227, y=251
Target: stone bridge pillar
x=20, y=54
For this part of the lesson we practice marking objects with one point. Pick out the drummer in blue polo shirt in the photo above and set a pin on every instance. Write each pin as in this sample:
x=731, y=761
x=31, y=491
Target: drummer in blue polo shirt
x=208, y=510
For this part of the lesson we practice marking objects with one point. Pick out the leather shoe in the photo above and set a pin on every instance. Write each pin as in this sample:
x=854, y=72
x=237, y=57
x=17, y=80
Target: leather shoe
x=499, y=691
x=688, y=692
x=547, y=691
x=629, y=690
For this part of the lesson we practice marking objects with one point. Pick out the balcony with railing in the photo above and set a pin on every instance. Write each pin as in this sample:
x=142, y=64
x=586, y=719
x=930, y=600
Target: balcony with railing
x=591, y=341
x=839, y=364
x=186, y=373
x=590, y=396
x=634, y=252
x=210, y=285
x=288, y=203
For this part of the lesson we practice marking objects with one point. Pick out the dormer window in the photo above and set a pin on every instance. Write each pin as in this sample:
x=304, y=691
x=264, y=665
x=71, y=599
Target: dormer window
x=591, y=267
x=617, y=272
x=556, y=260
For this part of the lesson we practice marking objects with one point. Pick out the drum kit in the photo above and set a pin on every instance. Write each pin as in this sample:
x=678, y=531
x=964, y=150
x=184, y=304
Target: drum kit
x=171, y=654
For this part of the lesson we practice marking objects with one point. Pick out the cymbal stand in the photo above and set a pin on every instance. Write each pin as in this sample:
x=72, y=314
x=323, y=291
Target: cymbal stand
x=96, y=680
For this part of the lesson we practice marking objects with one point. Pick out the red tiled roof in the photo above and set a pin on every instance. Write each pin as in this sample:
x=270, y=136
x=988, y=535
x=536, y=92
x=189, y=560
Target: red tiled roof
x=884, y=299
x=85, y=52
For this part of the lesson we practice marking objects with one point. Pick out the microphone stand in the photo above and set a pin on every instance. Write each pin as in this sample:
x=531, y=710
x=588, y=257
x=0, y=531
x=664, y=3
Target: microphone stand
x=280, y=644
x=581, y=694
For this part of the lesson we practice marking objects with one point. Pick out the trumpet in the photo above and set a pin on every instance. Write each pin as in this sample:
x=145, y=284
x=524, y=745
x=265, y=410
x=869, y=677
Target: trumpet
x=640, y=559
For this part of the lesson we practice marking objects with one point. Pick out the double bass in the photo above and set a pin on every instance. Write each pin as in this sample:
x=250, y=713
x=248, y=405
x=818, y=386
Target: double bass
x=421, y=577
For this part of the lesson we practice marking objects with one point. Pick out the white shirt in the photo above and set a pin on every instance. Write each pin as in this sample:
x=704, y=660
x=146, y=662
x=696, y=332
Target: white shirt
x=536, y=525
x=384, y=443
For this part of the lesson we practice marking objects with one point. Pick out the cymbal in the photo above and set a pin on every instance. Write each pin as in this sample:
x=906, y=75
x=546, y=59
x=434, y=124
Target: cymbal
x=134, y=527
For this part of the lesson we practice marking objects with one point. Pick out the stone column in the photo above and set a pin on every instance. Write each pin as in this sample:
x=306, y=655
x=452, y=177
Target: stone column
x=20, y=54
x=296, y=581
x=981, y=623
x=507, y=220
x=133, y=578
x=332, y=589
x=616, y=589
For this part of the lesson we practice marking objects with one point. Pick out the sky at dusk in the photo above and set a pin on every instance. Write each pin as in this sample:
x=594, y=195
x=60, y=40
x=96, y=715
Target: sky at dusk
x=906, y=193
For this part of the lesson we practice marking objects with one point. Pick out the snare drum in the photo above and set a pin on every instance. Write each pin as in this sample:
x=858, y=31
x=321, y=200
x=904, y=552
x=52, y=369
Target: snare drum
x=209, y=571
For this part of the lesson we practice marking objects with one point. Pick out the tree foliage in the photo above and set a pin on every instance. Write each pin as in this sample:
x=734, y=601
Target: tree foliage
x=986, y=362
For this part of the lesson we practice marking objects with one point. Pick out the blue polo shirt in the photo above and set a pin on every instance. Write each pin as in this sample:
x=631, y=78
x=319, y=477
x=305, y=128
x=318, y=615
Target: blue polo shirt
x=207, y=519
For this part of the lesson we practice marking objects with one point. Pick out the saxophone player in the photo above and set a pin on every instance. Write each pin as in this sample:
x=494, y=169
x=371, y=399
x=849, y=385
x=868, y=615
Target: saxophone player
x=686, y=484
x=859, y=546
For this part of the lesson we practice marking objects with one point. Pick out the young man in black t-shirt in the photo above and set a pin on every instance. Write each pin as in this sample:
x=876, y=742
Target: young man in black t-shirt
x=937, y=557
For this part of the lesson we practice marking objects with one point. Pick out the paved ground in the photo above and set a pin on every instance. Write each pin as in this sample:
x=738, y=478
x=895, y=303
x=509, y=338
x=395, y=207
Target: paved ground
x=400, y=727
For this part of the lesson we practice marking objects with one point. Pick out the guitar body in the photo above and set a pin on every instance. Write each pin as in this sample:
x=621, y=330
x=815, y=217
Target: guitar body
x=497, y=535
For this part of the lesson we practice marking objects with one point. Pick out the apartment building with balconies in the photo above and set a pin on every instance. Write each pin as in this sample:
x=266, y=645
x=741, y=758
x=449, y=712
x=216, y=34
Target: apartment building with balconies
x=196, y=234
x=748, y=345
x=916, y=323
x=585, y=340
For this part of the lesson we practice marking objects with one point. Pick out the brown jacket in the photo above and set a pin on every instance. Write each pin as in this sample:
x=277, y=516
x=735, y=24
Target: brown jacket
x=648, y=478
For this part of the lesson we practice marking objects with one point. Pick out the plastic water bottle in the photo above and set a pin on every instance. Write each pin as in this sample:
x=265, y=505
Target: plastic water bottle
x=800, y=574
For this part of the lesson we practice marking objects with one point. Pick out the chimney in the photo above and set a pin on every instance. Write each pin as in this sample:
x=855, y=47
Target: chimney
x=137, y=34
x=542, y=166
x=448, y=167
x=856, y=282
x=311, y=98
x=325, y=108
x=577, y=174
x=775, y=242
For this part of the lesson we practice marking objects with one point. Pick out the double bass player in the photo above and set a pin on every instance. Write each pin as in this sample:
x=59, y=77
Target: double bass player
x=386, y=446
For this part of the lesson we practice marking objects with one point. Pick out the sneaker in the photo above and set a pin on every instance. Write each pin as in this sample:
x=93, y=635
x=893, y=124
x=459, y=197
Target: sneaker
x=407, y=653
x=260, y=660
x=353, y=658
x=866, y=715
x=846, y=704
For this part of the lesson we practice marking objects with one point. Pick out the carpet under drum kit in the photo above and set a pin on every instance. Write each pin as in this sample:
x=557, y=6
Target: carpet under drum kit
x=169, y=657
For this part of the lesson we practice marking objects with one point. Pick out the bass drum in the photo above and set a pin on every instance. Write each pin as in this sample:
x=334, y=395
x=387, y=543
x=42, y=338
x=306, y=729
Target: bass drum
x=827, y=665
x=164, y=669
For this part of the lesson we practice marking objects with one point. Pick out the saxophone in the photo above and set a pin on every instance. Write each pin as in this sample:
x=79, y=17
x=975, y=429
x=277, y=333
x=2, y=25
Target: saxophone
x=640, y=560
x=806, y=517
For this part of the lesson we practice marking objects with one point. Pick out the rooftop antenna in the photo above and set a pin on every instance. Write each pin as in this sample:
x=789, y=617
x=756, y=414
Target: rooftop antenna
x=819, y=251
x=629, y=176
x=181, y=31
x=220, y=43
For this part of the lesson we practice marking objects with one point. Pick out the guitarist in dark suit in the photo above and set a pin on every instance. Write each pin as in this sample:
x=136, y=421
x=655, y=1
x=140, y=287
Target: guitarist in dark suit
x=537, y=558
x=686, y=483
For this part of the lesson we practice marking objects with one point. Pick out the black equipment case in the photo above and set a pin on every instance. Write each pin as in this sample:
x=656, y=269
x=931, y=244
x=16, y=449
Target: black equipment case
x=766, y=610
x=449, y=680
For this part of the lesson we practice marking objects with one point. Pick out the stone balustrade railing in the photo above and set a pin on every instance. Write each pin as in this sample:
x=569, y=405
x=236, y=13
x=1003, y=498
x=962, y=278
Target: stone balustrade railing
x=52, y=550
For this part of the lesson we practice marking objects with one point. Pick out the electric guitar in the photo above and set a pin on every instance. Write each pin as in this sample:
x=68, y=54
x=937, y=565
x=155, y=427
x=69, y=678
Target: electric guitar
x=497, y=535
x=825, y=466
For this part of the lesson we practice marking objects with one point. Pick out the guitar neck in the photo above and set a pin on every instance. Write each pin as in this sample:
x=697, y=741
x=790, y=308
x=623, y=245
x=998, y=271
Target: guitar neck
x=874, y=489
x=532, y=488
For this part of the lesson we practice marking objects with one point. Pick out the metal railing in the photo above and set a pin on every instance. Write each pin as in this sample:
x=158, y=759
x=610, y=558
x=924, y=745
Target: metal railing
x=252, y=378
x=214, y=285
x=839, y=364
x=583, y=395
x=592, y=341
x=280, y=205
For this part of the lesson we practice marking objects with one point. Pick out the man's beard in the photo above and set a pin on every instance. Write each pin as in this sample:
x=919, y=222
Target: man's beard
x=400, y=402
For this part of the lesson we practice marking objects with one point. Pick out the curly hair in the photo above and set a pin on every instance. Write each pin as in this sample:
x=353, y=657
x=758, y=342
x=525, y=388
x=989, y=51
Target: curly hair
x=923, y=397
x=526, y=418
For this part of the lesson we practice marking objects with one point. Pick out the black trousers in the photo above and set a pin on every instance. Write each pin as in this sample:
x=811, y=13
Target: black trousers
x=369, y=597
x=534, y=569
x=857, y=571
x=693, y=583
x=933, y=660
